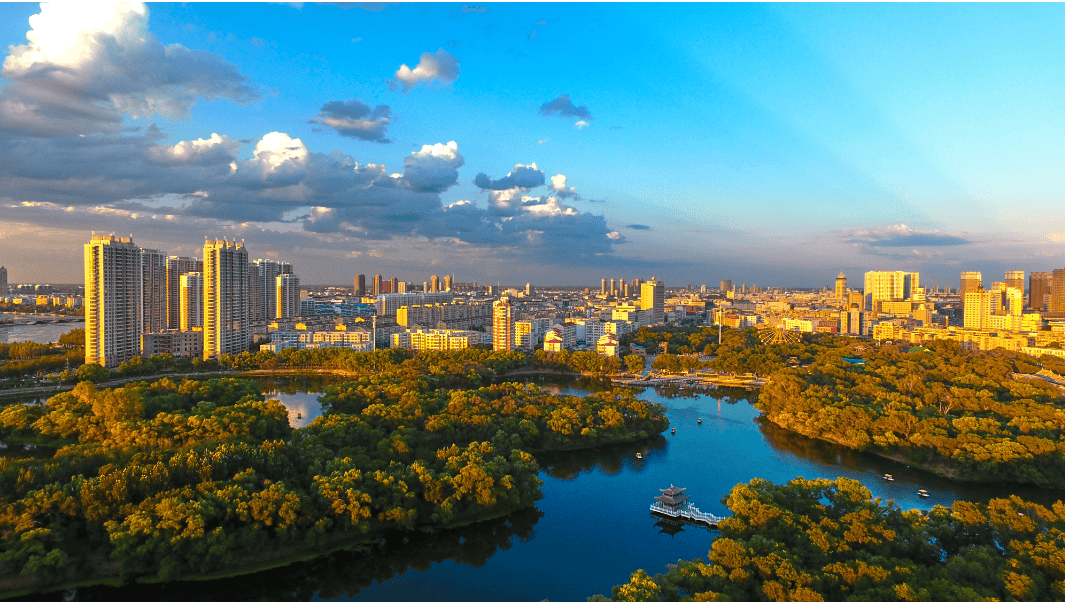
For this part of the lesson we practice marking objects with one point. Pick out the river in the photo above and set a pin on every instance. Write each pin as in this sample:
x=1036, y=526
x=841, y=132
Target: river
x=38, y=333
x=592, y=528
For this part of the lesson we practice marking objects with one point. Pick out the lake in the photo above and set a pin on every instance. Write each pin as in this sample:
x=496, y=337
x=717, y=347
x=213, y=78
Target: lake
x=592, y=528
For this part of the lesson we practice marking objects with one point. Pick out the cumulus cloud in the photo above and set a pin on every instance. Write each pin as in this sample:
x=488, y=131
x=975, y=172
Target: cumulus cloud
x=88, y=64
x=901, y=235
x=563, y=107
x=355, y=119
x=439, y=66
x=523, y=176
x=559, y=189
x=580, y=125
x=434, y=168
x=216, y=150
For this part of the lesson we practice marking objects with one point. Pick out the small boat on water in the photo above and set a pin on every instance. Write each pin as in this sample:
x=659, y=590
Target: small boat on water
x=922, y=493
x=639, y=456
x=888, y=477
x=299, y=415
x=700, y=421
x=674, y=431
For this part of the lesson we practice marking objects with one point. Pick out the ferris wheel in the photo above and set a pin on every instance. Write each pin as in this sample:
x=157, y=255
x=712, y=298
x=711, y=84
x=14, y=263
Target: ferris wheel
x=777, y=334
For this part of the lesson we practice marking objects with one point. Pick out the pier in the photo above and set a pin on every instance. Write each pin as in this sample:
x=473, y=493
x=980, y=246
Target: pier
x=674, y=503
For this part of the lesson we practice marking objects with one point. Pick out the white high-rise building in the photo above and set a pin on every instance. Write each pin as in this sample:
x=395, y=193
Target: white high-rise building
x=191, y=301
x=226, y=319
x=114, y=318
x=287, y=293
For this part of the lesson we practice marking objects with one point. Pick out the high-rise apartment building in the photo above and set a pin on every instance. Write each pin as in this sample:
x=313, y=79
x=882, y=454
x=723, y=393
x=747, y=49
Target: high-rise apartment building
x=979, y=307
x=889, y=286
x=1057, y=292
x=841, y=286
x=175, y=267
x=1015, y=278
x=3, y=279
x=113, y=306
x=614, y=286
x=1038, y=290
x=971, y=282
x=393, y=285
x=502, y=325
x=191, y=300
x=603, y=290
x=263, y=289
x=447, y=283
x=434, y=284
x=153, y=292
x=226, y=320
x=376, y=285
x=724, y=286
x=287, y=296
x=360, y=285
x=653, y=298
x=528, y=289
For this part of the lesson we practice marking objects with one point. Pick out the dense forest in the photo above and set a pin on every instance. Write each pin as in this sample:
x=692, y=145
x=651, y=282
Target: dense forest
x=176, y=478
x=959, y=412
x=827, y=541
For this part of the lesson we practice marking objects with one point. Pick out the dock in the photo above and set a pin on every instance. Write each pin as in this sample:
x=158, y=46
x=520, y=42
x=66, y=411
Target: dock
x=674, y=503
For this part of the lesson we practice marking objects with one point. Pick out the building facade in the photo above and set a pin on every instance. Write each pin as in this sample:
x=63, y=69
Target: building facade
x=1038, y=290
x=286, y=296
x=226, y=323
x=502, y=325
x=113, y=304
x=191, y=302
x=653, y=298
x=175, y=268
x=153, y=293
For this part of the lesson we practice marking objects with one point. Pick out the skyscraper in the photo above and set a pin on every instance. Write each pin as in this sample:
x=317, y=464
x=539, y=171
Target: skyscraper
x=376, y=285
x=653, y=298
x=613, y=286
x=447, y=283
x=502, y=325
x=603, y=290
x=889, y=286
x=841, y=286
x=191, y=300
x=394, y=285
x=434, y=284
x=113, y=305
x=175, y=267
x=971, y=282
x=528, y=289
x=287, y=296
x=1015, y=278
x=226, y=323
x=725, y=286
x=360, y=285
x=153, y=293
x=1057, y=292
x=263, y=290
x=1038, y=289
x=3, y=279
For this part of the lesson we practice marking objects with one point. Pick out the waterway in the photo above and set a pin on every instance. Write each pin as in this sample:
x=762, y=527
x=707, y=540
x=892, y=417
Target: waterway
x=592, y=528
x=38, y=333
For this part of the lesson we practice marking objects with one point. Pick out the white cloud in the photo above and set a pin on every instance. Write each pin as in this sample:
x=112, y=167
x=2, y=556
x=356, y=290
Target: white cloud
x=87, y=64
x=580, y=125
x=437, y=66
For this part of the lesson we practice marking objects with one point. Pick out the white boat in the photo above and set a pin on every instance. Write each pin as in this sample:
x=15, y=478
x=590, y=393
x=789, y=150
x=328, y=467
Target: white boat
x=888, y=477
x=922, y=493
x=639, y=456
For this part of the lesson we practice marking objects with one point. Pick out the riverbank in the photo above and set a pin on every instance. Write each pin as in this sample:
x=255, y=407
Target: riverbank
x=252, y=561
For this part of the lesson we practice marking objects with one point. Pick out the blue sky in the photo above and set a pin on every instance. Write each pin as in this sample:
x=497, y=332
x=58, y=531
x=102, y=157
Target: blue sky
x=768, y=144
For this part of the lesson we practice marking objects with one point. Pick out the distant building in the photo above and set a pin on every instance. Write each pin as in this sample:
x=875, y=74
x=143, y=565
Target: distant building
x=434, y=284
x=971, y=282
x=841, y=287
x=1038, y=290
x=502, y=325
x=436, y=339
x=447, y=283
x=3, y=280
x=191, y=302
x=153, y=293
x=653, y=298
x=175, y=268
x=360, y=285
x=376, y=285
x=287, y=296
x=113, y=303
x=1057, y=292
x=725, y=286
x=889, y=286
x=1015, y=278
x=178, y=343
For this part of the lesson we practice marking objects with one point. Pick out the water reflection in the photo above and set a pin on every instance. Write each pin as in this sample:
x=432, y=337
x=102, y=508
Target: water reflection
x=609, y=459
x=345, y=573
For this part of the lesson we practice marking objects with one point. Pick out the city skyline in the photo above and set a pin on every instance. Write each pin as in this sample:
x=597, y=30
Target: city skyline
x=766, y=144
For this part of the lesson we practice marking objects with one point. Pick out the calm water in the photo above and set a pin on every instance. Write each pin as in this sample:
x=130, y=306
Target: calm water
x=592, y=528
x=38, y=333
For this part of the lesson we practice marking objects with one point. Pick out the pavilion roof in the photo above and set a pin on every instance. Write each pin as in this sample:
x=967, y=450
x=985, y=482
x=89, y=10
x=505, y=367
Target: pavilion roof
x=672, y=500
x=673, y=490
